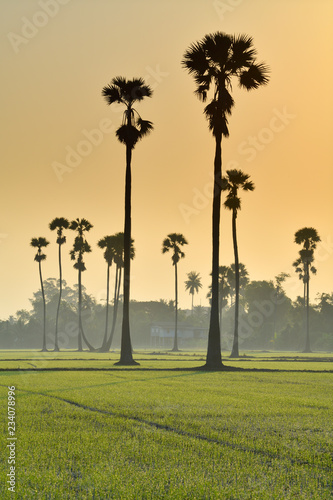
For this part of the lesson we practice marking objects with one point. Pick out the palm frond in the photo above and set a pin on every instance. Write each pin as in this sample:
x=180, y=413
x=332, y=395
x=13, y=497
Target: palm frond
x=145, y=127
x=256, y=75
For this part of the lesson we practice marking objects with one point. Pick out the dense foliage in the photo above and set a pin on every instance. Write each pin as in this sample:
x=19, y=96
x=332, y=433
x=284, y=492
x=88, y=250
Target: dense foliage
x=267, y=321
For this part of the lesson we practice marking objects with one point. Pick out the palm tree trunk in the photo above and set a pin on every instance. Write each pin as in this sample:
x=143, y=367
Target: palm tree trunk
x=80, y=319
x=275, y=311
x=107, y=308
x=56, y=346
x=307, y=340
x=214, y=359
x=44, y=307
x=115, y=308
x=235, y=348
x=175, y=343
x=221, y=307
x=126, y=357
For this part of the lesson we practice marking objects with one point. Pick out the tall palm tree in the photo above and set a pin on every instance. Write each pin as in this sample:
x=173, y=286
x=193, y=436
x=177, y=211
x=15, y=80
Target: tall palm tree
x=232, y=182
x=214, y=61
x=193, y=283
x=173, y=242
x=114, y=252
x=308, y=237
x=80, y=247
x=59, y=223
x=133, y=129
x=40, y=243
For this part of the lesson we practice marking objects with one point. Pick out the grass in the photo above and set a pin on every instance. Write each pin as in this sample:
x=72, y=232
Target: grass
x=157, y=433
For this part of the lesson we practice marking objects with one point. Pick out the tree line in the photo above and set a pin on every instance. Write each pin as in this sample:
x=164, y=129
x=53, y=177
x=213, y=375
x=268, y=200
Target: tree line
x=268, y=318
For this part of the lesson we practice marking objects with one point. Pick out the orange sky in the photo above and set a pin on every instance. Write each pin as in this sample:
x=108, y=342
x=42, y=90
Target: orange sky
x=58, y=54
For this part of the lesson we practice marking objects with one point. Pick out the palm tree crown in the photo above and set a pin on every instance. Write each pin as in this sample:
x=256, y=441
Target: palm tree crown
x=80, y=245
x=193, y=282
x=128, y=92
x=234, y=180
x=214, y=61
x=59, y=223
x=39, y=243
x=173, y=242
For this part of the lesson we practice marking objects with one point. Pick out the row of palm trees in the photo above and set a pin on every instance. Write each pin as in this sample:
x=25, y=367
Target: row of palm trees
x=214, y=62
x=230, y=278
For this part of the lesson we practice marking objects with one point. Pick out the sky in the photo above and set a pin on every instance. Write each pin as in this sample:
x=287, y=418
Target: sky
x=60, y=156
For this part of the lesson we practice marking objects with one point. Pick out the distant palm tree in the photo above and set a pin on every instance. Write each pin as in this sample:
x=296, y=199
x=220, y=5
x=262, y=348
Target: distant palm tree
x=309, y=237
x=80, y=247
x=279, y=280
x=133, y=129
x=40, y=243
x=173, y=242
x=225, y=277
x=235, y=180
x=192, y=284
x=59, y=223
x=114, y=252
x=213, y=62
x=243, y=279
x=107, y=244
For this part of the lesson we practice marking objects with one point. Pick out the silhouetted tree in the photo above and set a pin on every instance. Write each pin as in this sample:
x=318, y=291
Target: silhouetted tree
x=192, y=284
x=243, y=280
x=279, y=280
x=40, y=243
x=114, y=252
x=173, y=242
x=309, y=237
x=80, y=247
x=225, y=275
x=213, y=62
x=134, y=128
x=59, y=224
x=235, y=180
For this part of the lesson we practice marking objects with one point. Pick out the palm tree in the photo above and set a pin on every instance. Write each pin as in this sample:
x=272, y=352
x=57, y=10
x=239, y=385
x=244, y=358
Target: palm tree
x=309, y=237
x=40, y=243
x=59, y=223
x=235, y=180
x=193, y=283
x=80, y=247
x=114, y=252
x=214, y=61
x=173, y=242
x=225, y=277
x=133, y=128
x=243, y=279
x=107, y=244
x=279, y=280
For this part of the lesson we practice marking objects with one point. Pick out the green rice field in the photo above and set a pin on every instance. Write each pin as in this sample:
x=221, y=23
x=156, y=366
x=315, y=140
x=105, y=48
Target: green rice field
x=166, y=430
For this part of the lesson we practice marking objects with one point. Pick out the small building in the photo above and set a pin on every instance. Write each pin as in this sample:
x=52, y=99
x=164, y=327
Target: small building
x=162, y=335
